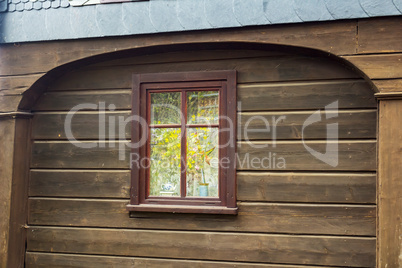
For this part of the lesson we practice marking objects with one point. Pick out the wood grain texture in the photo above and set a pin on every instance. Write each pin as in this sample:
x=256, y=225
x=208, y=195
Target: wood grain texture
x=252, y=186
x=390, y=184
x=306, y=95
x=45, y=260
x=252, y=126
x=380, y=35
x=358, y=155
x=352, y=124
x=252, y=217
x=336, y=251
x=335, y=37
x=78, y=183
x=9, y=103
x=189, y=56
x=17, y=84
x=65, y=101
x=307, y=187
x=19, y=193
x=260, y=69
x=83, y=125
x=381, y=66
x=7, y=136
x=390, y=85
x=69, y=155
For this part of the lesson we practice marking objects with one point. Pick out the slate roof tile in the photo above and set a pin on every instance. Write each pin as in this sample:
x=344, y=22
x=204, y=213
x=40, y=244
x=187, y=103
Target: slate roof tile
x=11, y=7
x=28, y=6
x=345, y=9
x=137, y=17
x=15, y=5
x=108, y=19
x=46, y=4
x=226, y=17
x=189, y=15
x=19, y=6
x=64, y=3
x=313, y=10
x=56, y=4
x=249, y=12
x=287, y=14
x=153, y=16
x=398, y=5
x=37, y=5
x=378, y=8
x=168, y=21
x=84, y=16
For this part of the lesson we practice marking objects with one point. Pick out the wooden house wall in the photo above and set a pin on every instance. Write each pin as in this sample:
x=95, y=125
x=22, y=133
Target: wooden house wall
x=307, y=214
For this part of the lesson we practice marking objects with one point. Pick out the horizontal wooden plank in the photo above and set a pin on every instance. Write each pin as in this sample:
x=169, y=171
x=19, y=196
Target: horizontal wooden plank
x=317, y=250
x=382, y=66
x=9, y=103
x=65, y=101
x=83, y=125
x=252, y=217
x=344, y=155
x=46, y=260
x=70, y=155
x=352, y=124
x=252, y=186
x=389, y=85
x=334, y=155
x=306, y=95
x=276, y=96
x=17, y=84
x=306, y=187
x=78, y=183
x=260, y=69
x=379, y=35
x=186, y=56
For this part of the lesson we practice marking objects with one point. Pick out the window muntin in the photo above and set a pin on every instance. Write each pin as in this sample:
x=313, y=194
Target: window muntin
x=196, y=182
x=180, y=161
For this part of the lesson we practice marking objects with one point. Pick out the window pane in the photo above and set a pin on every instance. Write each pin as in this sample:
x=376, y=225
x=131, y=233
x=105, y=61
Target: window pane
x=165, y=162
x=165, y=108
x=202, y=107
x=202, y=162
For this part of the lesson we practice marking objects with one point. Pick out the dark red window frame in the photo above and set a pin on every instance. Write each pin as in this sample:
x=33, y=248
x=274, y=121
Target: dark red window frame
x=225, y=83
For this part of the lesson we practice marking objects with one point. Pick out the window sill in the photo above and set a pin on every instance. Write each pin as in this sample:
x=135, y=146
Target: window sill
x=183, y=209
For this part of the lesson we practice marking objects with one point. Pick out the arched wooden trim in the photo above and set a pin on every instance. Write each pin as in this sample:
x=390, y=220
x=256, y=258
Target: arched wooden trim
x=39, y=86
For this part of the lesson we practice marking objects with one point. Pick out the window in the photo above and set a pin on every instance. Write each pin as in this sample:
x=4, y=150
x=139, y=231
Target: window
x=184, y=143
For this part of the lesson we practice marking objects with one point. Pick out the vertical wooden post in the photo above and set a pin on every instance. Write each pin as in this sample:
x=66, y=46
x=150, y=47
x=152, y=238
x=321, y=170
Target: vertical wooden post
x=389, y=253
x=7, y=131
x=14, y=168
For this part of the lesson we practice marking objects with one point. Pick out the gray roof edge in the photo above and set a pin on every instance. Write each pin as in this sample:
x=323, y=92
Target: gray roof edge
x=133, y=18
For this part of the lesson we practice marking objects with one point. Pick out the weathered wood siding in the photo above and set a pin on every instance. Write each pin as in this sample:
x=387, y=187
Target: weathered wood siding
x=306, y=214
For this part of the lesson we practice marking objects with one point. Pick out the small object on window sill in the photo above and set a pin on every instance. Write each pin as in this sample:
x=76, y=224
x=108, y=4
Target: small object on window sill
x=203, y=189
